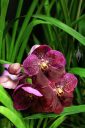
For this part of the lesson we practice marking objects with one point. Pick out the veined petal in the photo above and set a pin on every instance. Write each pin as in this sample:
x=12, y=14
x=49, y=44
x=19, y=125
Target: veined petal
x=55, y=58
x=51, y=102
x=30, y=65
x=55, y=74
x=66, y=99
x=24, y=97
x=33, y=48
x=21, y=99
x=69, y=82
x=41, y=51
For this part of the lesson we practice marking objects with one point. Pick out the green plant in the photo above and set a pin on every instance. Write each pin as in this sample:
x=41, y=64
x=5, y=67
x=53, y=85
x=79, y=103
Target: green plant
x=61, y=23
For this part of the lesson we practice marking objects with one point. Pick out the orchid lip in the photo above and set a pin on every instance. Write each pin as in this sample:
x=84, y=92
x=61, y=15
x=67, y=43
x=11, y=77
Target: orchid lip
x=43, y=64
x=59, y=91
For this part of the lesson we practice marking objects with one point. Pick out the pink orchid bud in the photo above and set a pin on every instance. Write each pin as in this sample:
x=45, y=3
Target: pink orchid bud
x=6, y=82
x=14, y=68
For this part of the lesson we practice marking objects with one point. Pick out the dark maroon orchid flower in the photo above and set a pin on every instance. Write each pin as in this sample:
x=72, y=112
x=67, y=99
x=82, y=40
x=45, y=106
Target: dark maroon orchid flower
x=64, y=89
x=51, y=89
x=55, y=96
x=25, y=96
x=50, y=101
x=51, y=62
x=67, y=83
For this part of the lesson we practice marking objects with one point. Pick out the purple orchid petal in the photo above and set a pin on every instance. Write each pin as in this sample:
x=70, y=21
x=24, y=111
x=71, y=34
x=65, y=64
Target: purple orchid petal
x=21, y=99
x=6, y=65
x=33, y=48
x=51, y=103
x=32, y=91
x=24, y=97
x=55, y=74
x=30, y=65
x=59, y=108
x=41, y=51
x=69, y=82
x=66, y=99
x=43, y=85
x=6, y=73
x=6, y=82
x=55, y=58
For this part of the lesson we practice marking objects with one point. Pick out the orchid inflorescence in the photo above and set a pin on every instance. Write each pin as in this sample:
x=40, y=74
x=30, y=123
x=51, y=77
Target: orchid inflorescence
x=51, y=88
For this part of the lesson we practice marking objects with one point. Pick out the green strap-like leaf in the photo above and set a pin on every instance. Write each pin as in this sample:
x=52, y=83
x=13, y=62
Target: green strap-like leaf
x=78, y=71
x=15, y=27
x=16, y=120
x=4, y=62
x=67, y=111
x=5, y=99
x=24, y=25
x=63, y=26
x=4, y=6
x=57, y=122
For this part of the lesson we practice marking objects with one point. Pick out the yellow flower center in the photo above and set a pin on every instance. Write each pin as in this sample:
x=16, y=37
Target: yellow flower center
x=30, y=96
x=43, y=64
x=59, y=91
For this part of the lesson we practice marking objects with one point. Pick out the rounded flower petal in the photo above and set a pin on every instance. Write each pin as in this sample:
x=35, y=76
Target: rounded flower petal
x=55, y=74
x=59, y=108
x=24, y=97
x=30, y=65
x=50, y=103
x=33, y=48
x=6, y=82
x=21, y=99
x=69, y=82
x=55, y=58
x=41, y=51
x=66, y=99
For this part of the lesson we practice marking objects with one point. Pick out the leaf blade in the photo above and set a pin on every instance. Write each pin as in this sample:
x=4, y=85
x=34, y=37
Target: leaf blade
x=12, y=117
x=78, y=71
x=63, y=26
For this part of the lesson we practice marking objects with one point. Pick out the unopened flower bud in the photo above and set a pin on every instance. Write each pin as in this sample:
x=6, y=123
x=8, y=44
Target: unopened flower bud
x=14, y=68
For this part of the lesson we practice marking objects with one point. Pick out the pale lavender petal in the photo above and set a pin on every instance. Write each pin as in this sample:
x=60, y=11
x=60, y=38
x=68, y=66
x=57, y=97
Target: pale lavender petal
x=6, y=82
x=6, y=73
x=32, y=91
x=6, y=65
